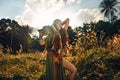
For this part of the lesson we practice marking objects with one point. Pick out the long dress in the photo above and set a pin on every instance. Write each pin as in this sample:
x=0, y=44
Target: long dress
x=49, y=68
x=54, y=69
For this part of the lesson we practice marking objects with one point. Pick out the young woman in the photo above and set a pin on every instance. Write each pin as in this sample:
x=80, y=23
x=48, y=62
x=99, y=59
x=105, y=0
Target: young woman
x=65, y=44
x=58, y=40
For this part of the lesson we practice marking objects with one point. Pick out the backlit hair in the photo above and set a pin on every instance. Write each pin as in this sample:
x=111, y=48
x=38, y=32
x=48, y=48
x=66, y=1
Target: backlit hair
x=55, y=22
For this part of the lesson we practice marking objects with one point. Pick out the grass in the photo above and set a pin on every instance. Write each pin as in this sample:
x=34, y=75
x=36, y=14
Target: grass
x=24, y=66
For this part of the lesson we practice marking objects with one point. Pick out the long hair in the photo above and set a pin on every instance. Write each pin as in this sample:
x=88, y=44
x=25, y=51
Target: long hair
x=64, y=36
x=63, y=33
x=57, y=37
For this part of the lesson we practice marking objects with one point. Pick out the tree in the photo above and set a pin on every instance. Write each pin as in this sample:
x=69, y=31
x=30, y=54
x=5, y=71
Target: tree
x=12, y=36
x=72, y=36
x=109, y=8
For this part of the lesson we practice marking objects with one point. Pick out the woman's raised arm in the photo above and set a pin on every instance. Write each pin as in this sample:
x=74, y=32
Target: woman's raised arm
x=66, y=23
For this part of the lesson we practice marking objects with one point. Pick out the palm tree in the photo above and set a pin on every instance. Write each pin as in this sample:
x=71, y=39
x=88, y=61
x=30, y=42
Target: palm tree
x=109, y=8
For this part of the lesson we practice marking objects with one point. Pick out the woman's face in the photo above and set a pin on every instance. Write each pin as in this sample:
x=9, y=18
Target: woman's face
x=59, y=25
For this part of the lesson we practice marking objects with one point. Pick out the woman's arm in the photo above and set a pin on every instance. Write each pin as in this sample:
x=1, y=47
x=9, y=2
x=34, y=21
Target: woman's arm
x=66, y=23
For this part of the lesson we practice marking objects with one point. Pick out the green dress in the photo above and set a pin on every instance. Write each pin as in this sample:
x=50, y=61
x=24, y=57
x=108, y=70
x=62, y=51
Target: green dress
x=53, y=69
x=49, y=68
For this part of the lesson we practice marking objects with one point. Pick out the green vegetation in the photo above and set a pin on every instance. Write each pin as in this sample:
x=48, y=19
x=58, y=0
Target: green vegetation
x=110, y=8
x=92, y=63
x=24, y=66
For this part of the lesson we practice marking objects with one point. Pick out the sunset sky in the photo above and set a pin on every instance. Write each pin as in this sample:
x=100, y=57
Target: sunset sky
x=38, y=13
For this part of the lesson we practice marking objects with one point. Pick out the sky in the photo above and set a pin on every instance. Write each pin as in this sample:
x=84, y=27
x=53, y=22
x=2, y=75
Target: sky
x=38, y=13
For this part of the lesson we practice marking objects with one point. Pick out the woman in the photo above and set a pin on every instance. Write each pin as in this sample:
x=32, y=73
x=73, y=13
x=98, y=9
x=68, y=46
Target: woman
x=58, y=24
x=50, y=37
x=59, y=41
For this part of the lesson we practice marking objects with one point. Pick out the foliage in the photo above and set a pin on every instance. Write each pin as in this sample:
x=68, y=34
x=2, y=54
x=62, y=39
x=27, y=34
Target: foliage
x=13, y=36
x=36, y=46
x=72, y=36
x=110, y=8
x=25, y=66
x=92, y=62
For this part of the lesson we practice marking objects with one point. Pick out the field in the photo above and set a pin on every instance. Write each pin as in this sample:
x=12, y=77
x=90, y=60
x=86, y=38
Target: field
x=97, y=63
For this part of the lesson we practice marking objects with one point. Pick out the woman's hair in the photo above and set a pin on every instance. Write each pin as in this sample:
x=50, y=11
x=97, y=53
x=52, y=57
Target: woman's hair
x=64, y=37
x=55, y=22
x=62, y=32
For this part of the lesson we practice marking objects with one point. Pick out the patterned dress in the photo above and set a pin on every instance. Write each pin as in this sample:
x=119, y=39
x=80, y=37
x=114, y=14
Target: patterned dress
x=54, y=66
